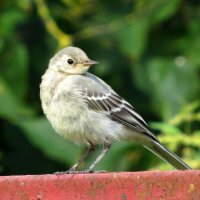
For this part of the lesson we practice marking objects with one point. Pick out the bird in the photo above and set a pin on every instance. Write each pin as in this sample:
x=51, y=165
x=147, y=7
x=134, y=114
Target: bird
x=82, y=108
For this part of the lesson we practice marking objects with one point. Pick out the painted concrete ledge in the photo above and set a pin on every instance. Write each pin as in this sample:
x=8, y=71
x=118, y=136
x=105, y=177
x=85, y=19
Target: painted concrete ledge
x=173, y=185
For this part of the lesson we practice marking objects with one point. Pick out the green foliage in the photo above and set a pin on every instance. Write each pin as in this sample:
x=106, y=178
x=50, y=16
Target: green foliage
x=40, y=128
x=149, y=51
x=174, y=83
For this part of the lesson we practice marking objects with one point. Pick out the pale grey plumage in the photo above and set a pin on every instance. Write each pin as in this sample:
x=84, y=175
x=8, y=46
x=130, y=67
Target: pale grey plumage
x=83, y=108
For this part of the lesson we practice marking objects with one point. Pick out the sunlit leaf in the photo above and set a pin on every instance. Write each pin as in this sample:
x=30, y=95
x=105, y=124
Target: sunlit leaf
x=165, y=128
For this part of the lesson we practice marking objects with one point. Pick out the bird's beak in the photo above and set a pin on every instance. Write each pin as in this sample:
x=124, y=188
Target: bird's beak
x=89, y=63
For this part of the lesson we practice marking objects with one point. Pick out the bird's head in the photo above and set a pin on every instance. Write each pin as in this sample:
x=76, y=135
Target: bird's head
x=71, y=60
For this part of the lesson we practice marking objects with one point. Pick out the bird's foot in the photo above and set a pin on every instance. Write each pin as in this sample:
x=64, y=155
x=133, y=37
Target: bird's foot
x=99, y=171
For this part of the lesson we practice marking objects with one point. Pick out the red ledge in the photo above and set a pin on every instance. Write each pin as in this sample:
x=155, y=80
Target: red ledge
x=173, y=185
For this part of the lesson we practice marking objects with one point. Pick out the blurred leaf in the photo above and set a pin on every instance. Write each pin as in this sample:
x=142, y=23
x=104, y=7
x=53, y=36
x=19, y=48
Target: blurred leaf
x=189, y=113
x=132, y=38
x=25, y=4
x=15, y=68
x=192, y=53
x=2, y=44
x=9, y=20
x=165, y=128
x=156, y=11
x=171, y=83
x=164, y=9
x=41, y=134
x=10, y=107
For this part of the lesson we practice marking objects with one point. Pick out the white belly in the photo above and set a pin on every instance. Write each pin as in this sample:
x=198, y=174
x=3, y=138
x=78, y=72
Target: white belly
x=83, y=126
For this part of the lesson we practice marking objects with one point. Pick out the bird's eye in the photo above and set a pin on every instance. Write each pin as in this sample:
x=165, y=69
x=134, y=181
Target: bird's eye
x=70, y=61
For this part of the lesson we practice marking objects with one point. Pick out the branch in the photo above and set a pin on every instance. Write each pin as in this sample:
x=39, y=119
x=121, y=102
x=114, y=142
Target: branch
x=51, y=26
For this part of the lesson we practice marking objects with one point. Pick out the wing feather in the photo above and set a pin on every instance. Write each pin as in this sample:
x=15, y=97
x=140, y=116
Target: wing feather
x=117, y=109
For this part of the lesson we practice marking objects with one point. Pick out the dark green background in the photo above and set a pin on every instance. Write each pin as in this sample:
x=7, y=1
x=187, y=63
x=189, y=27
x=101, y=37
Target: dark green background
x=149, y=52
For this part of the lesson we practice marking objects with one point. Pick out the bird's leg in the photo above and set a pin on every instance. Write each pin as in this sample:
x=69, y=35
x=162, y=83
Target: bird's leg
x=89, y=150
x=105, y=149
x=73, y=170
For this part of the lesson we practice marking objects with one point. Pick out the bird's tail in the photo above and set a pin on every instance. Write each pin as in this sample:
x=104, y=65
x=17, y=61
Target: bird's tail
x=167, y=155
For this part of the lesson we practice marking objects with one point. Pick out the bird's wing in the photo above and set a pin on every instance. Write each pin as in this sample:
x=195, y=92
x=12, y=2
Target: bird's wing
x=106, y=100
